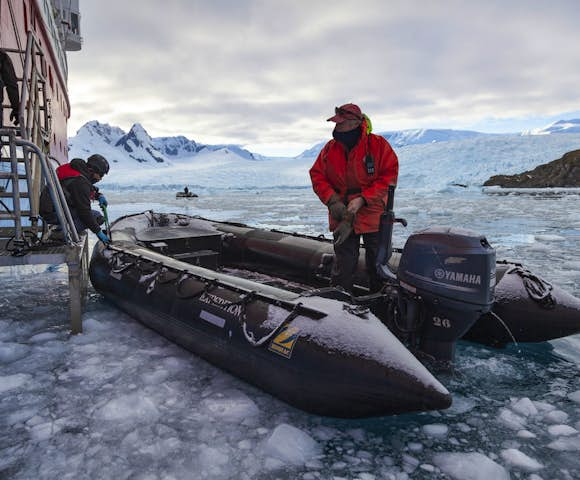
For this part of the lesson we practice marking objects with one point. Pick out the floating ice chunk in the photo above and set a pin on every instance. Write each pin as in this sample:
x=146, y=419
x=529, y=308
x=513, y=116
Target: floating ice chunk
x=324, y=433
x=129, y=407
x=566, y=444
x=410, y=463
x=470, y=466
x=561, y=430
x=461, y=405
x=575, y=396
x=212, y=461
x=550, y=238
x=291, y=445
x=524, y=406
x=517, y=459
x=231, y=406
x=11, y=382
x=556, y=416
x=415, y=447
x=526, y=434
x=511, y=419
x=435, y=430
x=543, y=406
x=539, y=247
x=43, y=337
x=10, y=352
x=366, y=476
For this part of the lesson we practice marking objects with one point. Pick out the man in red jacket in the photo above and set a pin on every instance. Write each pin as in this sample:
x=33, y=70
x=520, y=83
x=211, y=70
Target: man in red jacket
x=351, y=176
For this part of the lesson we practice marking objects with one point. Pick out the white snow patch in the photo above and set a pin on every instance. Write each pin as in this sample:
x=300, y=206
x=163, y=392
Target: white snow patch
x=517, y=459
x=470, y=466
x=291, y=445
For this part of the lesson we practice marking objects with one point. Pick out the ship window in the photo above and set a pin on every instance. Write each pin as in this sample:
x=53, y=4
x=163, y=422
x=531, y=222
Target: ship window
x=50, y=77
x=74, y=20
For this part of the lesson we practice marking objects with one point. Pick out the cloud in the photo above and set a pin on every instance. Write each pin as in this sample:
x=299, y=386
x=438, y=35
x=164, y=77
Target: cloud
x=261, y=71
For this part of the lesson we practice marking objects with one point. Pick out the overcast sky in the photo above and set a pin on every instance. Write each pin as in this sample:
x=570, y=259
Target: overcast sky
x=267, y=74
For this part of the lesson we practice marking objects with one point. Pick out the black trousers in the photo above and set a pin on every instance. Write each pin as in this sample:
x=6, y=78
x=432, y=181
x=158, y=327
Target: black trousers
x=346, y=261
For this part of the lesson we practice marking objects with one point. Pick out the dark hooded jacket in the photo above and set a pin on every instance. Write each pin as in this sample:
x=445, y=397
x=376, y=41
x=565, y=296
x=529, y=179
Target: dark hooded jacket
x=8, y=80
x=75, y=179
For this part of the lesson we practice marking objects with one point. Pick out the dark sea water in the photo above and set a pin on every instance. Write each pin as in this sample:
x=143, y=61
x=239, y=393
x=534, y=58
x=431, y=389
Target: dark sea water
x=120, y=401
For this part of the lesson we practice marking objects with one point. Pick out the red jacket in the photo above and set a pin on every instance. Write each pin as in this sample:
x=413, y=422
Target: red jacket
x=335, y=172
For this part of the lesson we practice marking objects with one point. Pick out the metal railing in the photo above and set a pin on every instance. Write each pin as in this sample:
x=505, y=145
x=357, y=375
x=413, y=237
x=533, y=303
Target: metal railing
x=28, y=144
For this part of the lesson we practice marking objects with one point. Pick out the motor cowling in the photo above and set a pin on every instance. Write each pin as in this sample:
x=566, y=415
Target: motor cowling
x=447, y=280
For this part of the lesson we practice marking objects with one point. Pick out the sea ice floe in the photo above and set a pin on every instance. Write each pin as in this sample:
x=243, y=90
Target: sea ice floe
x=524, y=406
x=519, y=460
x=231, y=406
x=575, y=396
x=511, y=419
x=561, y=430
x=290, y=445
x=470, y=466
x=12, y=382
x=435, y=430
x=556, y=416
x=566, y=444
x=10, y=352
x=526, y=434
x=132, y=406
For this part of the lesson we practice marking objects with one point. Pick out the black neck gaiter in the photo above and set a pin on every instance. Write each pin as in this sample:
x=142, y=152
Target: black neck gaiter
x=348, y=139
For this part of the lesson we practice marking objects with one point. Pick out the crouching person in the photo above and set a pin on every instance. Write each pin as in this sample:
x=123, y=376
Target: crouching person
x=78, y=179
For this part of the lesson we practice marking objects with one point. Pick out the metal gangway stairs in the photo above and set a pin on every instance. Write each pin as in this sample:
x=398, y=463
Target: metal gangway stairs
x=25, y=169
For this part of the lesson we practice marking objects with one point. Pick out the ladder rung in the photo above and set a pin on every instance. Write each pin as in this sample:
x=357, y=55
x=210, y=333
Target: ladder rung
x=11, y=195
x=12, y=216
x=9, y=176
x=7, y=160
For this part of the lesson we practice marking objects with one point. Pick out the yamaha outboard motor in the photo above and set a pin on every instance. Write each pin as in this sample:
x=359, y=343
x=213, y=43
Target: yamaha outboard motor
x=447, y=279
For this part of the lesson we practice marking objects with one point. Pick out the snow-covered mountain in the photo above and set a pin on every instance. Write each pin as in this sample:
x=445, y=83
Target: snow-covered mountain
x=419, y=136
x=127, y=149
x=138, y=145
x=402, y=138
x=561, y=126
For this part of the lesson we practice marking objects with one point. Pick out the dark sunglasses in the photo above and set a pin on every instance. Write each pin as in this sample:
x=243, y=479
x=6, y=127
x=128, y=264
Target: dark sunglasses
x=340, y=111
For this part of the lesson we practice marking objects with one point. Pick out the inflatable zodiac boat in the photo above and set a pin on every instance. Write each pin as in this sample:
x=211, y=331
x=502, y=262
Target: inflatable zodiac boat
x=257, y=303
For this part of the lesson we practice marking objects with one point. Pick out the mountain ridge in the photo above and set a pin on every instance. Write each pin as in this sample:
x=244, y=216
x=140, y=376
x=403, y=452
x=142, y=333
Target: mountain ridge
x=138, y=146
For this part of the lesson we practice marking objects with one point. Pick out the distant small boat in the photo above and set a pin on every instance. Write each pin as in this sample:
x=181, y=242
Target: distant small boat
x=186, y=195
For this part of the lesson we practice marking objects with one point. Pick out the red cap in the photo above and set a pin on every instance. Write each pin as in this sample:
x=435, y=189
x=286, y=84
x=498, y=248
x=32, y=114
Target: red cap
x=349, y=111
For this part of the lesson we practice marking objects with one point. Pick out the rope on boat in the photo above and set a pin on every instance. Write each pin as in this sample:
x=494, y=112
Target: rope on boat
x=250, y=337
x=538, y=289
x=507, y=330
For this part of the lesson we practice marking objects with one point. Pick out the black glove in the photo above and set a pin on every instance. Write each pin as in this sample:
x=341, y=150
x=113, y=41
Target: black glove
x=343, y=231
x=14, y=116
x=336, y=207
